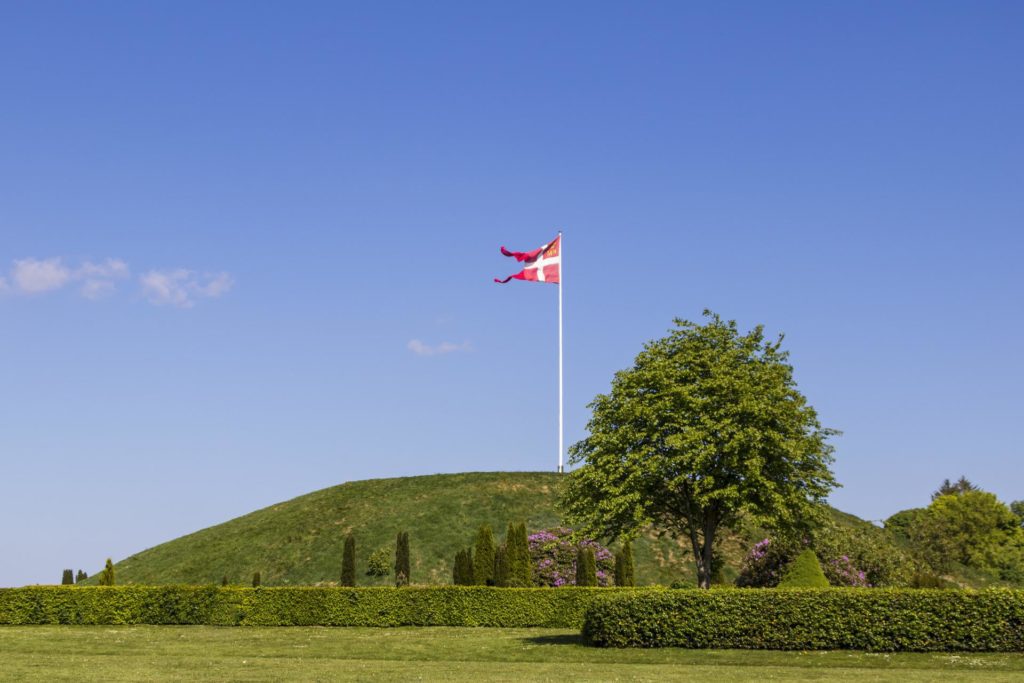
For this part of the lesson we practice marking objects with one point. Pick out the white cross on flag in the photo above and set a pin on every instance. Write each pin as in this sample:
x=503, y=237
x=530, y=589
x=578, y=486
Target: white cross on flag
x=541, y=265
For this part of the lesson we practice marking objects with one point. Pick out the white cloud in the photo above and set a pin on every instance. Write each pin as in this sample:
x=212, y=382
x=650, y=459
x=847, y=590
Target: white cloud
x=3, y=284
x=97, y=289
x=32, y=276
x=421, y=349
x=99, y=277
x=181, y=287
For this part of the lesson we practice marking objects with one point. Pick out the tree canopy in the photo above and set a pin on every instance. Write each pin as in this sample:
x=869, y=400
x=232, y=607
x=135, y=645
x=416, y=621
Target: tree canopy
x=707, y=425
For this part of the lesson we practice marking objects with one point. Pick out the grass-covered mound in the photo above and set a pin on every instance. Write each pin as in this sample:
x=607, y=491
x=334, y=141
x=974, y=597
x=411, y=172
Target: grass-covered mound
x=301, y=541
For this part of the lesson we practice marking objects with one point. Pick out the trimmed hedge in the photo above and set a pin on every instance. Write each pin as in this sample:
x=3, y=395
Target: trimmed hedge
x=832, y=619
x=294, y=606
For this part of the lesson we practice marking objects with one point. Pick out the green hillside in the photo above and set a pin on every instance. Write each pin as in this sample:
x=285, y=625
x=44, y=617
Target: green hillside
x=299, y=542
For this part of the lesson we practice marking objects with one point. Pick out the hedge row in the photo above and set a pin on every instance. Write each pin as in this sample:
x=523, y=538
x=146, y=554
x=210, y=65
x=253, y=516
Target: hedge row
x=232, y=606
x=849, y=618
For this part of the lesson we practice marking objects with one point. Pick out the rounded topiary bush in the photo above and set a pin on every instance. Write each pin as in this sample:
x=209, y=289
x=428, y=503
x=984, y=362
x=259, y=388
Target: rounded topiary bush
x=804, y=572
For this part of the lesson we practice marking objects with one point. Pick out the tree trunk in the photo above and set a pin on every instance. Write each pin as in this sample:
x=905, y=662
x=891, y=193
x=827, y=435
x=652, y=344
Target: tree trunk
x=703, y=569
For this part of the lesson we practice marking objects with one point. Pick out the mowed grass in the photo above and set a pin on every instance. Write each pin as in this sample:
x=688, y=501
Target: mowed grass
x=142, y=653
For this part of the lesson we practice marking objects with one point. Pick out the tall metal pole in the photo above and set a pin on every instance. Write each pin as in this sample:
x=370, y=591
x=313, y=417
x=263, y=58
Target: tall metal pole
x=561, y=279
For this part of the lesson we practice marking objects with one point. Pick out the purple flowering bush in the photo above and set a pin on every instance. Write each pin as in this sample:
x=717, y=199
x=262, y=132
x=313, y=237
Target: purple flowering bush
x=554, y=558
x=765, y=564
x=841, y=572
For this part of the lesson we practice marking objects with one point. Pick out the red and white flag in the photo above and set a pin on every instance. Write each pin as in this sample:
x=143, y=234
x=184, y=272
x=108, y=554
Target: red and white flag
x=541, y=265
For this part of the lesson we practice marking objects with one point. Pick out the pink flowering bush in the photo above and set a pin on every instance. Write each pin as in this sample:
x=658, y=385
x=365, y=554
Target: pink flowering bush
x=554, y=558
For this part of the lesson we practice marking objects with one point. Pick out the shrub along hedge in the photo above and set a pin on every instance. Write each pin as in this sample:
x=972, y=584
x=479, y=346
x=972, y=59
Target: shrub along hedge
x=237, y=606
x=848, y=618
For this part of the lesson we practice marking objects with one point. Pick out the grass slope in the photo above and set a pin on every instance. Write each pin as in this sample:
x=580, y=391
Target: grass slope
x=300, y=541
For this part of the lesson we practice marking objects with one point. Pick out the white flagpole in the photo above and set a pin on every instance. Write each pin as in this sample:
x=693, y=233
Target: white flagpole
x=561, y=279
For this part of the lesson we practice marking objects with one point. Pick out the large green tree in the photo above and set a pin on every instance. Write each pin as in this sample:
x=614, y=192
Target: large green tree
x=973, y=528
x=707, y=425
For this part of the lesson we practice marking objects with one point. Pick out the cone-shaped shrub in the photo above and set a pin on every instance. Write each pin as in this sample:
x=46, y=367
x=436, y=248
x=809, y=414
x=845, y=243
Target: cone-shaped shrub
x=501, y=568
x=68, y=578
x=256, y=580
x=520, y=564
x=81, y=576
x=224, y=580
x=348, y=562
x=402, y=559
x=467, y=567
x=624, y=565
x=804, y=572
x=483, y=557
x=586, y=567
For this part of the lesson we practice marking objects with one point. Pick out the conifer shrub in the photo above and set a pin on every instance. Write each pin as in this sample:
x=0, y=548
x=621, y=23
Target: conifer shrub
x=256, y=580
x=502, y=572
x=348, y=562
x=463, y=570
x=483, y=557
x=520, y=564
x=81, y=576
x=107, y=575
x=804, y=572
x=402, y=559
x=586, y=567
x=224, y=580
x=624, y=566
x=68, y=578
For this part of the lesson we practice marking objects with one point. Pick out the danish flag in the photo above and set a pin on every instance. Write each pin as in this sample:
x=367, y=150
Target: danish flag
x=541, y=265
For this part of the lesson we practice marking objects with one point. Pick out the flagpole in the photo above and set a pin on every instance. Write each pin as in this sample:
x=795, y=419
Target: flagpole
x=561, y=279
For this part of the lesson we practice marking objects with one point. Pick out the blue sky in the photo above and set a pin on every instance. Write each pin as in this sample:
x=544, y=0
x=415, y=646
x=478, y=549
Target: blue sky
x=224, y=228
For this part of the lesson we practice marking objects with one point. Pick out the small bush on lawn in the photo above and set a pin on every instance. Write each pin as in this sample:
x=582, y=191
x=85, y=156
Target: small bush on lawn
x=883, y=619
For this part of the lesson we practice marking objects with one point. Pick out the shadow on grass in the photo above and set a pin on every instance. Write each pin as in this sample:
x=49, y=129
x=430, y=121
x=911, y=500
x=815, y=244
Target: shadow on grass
x=562, y=639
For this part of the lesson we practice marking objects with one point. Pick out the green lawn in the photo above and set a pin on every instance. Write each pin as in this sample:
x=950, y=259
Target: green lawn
x=139, y=653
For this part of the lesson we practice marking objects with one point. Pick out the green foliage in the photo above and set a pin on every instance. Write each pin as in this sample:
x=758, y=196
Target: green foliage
x=68, y=578
x=902, y=524
x=224, y=580
x=348, y=562
x=519, y=561
x=706, y=425
x=483, y=557
x=295, y=606
x=586, y=567
x=929, y=580
x=402, y=569
x=256, y=580
x=462, y=570
x=379, y=563
x=624, y=565
x=107, y=575
x=502, y=570
x=81, y=576
x=804, y=572
x=948, y=488
x=890, y=619
x=1017, y=508
x=972, y=528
